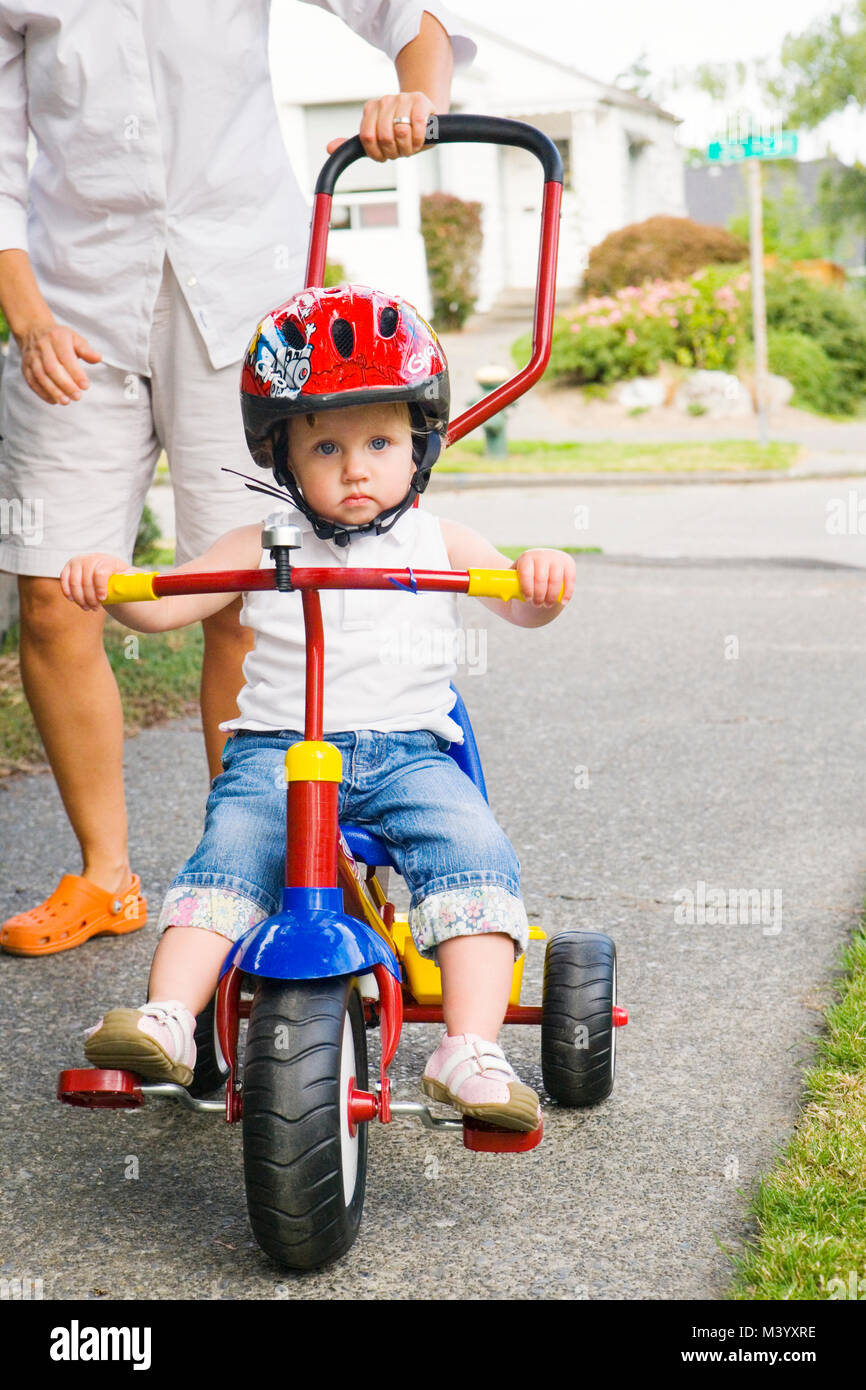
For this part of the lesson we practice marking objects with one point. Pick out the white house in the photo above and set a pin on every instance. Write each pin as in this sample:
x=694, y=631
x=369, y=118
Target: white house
x=620, y=156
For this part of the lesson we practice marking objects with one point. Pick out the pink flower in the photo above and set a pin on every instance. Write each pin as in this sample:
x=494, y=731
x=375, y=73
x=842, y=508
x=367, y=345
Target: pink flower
x=631, y=337
x=575, y=328
x=731, y=339
x=184, y=911
x=674, y=323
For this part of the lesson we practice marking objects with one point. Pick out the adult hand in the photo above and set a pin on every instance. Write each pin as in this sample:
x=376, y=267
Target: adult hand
x=49, y=362
x=381, y=137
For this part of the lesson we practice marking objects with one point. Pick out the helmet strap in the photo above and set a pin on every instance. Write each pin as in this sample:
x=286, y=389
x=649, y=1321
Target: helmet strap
x=335, y=531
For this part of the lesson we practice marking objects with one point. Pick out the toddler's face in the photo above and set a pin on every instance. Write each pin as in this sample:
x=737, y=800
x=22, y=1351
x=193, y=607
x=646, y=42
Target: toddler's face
x=352, y=464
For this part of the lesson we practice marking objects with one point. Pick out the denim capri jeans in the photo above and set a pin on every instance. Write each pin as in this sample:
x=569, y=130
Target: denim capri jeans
x=460, y=867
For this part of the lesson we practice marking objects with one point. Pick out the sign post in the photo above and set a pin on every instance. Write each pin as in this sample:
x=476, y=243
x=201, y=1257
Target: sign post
x=753, y=147
x=759, y=302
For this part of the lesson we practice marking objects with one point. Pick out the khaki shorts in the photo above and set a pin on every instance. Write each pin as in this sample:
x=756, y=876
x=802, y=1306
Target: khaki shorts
x=74, y=478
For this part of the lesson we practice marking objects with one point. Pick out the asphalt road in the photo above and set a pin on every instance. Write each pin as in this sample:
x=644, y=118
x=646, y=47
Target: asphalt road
x=683, y=724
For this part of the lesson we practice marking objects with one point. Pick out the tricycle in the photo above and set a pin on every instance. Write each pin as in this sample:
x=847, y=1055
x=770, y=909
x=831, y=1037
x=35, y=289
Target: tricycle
x=337, y=959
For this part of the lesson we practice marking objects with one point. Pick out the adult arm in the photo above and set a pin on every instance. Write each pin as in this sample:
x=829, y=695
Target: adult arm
x=425, y=43
x=49, y=351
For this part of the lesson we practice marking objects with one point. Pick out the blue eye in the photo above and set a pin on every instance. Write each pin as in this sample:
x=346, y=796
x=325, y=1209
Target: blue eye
x=379, y=443
x=327, y=447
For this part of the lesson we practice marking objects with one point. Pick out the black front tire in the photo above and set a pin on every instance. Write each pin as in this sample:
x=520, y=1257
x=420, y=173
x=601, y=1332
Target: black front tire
x=305, y=1175
x=578, y=1039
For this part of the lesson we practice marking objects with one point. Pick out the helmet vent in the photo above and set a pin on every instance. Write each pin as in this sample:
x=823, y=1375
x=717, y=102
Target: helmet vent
x=344, y=337
x=293, y=334
x=388, y=321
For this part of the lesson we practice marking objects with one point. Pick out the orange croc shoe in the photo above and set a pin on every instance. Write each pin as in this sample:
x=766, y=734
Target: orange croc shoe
x=76, y=910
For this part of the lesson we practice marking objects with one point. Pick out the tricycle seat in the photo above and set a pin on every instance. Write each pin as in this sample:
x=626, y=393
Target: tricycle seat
x=368, y=848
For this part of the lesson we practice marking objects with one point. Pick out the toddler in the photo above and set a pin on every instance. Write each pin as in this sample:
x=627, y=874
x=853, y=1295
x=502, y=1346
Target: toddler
x=345, y=399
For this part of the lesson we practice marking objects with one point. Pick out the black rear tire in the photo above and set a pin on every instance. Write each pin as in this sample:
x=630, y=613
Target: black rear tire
x=305, y=1175
x=210, y=1070
x=578, y=1039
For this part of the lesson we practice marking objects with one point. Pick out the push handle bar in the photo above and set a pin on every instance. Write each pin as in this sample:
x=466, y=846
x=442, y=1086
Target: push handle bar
x=462, y=129
x=452, y=130
x=480, y=583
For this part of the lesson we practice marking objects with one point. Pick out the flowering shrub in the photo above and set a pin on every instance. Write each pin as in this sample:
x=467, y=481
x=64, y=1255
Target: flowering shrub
x=696, y=322
x=669, y=247
x=451, y=229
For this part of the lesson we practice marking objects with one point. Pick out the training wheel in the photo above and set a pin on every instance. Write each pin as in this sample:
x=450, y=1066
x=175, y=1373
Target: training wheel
x=98, y=1089
x=484, y=1138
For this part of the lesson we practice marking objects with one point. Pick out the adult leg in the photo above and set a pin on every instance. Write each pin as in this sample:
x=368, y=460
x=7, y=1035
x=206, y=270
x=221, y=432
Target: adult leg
x=80, y=722
x=76, y=476
x=197, y=414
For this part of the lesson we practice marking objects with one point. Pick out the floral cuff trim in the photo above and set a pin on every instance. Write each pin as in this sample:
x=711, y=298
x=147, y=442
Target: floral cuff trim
x=468, y=912
x=214, y=909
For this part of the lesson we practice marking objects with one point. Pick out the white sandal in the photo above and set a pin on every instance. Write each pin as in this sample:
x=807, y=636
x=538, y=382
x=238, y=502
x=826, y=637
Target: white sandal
x=472, y=1074
x=156, y=1041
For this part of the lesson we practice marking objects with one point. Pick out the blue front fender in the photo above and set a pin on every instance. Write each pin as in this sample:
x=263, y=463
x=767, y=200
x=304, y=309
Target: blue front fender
x=312, y=938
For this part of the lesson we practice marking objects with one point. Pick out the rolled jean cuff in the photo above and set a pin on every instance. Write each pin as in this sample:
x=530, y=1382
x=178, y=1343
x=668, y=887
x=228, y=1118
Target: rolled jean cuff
x=220, y=910
x=468, y=911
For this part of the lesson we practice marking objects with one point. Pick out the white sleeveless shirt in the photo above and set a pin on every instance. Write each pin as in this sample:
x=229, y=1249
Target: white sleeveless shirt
x=389, y=654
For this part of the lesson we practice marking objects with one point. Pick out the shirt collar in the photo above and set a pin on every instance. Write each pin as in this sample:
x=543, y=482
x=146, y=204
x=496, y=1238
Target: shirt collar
x=399, y=533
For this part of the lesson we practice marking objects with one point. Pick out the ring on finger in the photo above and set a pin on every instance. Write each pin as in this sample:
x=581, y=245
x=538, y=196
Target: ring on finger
x=402, y=120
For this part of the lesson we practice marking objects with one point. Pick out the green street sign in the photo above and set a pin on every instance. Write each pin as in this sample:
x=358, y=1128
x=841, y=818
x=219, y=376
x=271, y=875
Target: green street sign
x=780, y=146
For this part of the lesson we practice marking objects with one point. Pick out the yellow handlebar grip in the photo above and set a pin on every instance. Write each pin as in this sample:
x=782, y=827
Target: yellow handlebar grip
x=130, y=588
x=502, y=584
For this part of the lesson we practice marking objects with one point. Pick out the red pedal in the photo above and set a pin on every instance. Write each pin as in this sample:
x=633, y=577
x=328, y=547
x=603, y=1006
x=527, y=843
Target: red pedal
x=620, y=1016
x=484, y=1138
x=99, y=1089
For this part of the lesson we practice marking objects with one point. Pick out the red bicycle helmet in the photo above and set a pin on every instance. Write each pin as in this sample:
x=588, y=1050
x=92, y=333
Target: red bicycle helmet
x=328, y=349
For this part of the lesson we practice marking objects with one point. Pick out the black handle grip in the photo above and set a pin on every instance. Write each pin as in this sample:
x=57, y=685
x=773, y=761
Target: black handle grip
x=461, y=129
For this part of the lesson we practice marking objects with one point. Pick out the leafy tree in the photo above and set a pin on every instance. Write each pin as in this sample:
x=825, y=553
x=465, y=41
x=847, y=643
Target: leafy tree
x=823, y=70
x=789, y=229
x=637, y=78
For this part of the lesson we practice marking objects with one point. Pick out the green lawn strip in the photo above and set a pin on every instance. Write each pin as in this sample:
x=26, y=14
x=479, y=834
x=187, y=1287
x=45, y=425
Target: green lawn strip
x=158, y=676
x=811, y=1211
x=515, y=551
x=611, y=456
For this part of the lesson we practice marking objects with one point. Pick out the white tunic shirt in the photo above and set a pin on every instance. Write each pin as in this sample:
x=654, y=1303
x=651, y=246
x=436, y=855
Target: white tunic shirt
x=157, y=134
x=389, y=654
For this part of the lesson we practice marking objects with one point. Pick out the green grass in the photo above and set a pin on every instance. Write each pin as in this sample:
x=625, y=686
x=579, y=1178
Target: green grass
x=610, y=456
x=514, y=551
x=811, y=1211
x=158, y=676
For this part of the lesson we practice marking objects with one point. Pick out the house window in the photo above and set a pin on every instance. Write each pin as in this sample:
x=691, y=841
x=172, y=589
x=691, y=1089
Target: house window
x=378, y=214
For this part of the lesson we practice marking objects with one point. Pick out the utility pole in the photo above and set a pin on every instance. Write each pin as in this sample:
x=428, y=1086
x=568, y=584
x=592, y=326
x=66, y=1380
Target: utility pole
x=759, y=301
x=753, y=145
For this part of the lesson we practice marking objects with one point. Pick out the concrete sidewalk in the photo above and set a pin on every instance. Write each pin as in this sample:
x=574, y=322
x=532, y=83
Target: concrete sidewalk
x=740, y=770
